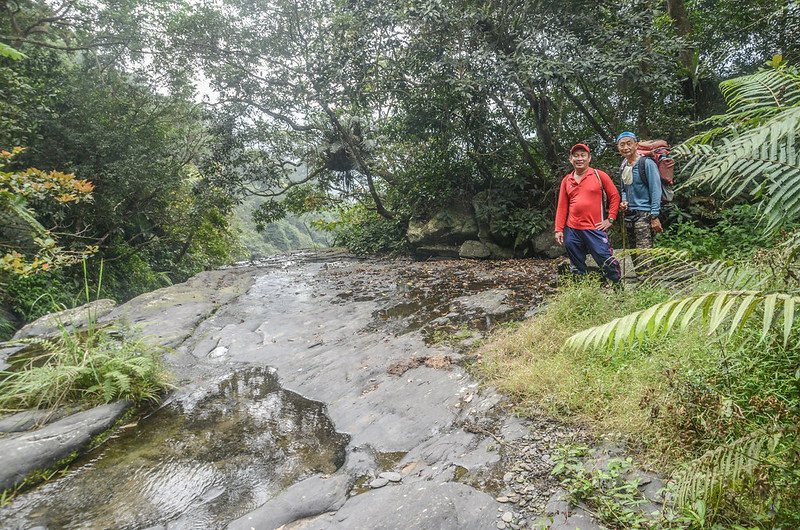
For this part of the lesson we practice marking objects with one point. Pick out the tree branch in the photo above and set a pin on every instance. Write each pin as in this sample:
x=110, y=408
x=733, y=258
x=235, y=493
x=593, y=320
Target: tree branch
x=280, y=117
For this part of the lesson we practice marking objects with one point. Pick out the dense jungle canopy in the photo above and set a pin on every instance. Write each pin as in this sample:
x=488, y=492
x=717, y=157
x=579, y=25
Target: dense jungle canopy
x=373, y=111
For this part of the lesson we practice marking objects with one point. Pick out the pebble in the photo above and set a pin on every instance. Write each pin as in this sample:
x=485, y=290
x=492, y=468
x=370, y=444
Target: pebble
x=501, y=525
x=391, y=476
x=508, y=517
x=378, y=483
x=502, y=499
x=508, y=477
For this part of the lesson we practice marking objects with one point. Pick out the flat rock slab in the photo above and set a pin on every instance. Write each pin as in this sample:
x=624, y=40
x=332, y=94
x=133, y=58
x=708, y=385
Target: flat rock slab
x=28, y=419
x=168, y=316
x=42, y=448
x=78, y=317
x=308, y=498
x=421, y=506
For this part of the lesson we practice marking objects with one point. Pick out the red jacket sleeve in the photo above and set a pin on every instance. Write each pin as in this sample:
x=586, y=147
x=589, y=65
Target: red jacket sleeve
x=563, y=206
x=611, y=193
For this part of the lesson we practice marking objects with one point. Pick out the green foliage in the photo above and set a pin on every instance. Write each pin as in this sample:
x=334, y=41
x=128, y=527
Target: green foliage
x=11, y=53
x=735, y=235
x=364, y=232
x=750, y=149
x=604, y=489
x=87, y=369
x=30, y=247
x=689, y=402
x=712, y=308
x=33, y=296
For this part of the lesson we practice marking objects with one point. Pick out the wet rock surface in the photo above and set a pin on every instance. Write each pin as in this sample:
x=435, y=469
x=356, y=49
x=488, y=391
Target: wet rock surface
x=376, y=348
x=25, y=452
x=213, y=453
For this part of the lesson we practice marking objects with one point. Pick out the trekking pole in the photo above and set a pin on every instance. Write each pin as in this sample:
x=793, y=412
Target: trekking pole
x=624, y=246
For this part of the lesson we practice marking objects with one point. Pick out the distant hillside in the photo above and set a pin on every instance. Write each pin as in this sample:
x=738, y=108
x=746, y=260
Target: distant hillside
x=291, y=233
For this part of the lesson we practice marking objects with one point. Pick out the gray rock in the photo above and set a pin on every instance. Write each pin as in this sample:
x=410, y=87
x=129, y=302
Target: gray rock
x=507, y=517
x=418, y=506
x=474, y=250
x=557, y=503
x=391, y=476
x=40, y=449
x=436, y=251
x=544, y=245
x=27, y=419
x=308, y=498
x=535, y=310
x=76, y=318
x=489, y=302
x=378, y=483
x=498, y=252
x=578, y=519
x=452, y=225
x=6, y=350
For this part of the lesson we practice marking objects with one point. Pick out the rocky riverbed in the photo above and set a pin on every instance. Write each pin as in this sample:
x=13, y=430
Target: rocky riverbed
x=318, y=390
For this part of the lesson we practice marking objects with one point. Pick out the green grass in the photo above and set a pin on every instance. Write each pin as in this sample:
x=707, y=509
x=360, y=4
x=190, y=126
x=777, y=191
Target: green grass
x=672, y=397
x=82, y=368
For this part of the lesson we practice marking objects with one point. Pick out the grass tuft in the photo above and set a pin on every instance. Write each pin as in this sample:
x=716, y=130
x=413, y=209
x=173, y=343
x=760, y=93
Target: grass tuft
x=83, y=368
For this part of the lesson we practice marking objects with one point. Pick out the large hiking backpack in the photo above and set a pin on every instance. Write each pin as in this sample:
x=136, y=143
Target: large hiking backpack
x=659, y=152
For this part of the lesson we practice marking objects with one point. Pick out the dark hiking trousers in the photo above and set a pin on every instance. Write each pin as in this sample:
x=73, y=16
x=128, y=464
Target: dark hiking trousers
x=595, y=242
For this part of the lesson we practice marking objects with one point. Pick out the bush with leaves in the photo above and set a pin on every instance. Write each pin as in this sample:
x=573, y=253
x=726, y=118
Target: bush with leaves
x=365, y=232
x=732, y=236
x=27, y=245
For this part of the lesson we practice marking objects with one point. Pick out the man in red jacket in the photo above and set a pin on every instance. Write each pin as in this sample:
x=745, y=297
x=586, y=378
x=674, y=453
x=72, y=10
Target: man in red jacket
x=581, y=223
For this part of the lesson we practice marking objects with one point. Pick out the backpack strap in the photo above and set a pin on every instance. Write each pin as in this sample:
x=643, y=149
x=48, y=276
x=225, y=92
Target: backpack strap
x=643, y=170
x=604, y=197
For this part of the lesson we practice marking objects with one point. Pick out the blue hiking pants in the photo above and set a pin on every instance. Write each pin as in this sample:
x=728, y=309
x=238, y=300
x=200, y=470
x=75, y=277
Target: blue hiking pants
x=595, y=242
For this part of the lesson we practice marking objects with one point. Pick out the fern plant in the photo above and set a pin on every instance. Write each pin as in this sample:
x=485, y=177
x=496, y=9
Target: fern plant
x=704, y=478
x=81, y=369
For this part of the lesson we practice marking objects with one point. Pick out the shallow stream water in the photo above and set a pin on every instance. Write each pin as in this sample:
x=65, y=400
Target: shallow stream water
x=199, y=462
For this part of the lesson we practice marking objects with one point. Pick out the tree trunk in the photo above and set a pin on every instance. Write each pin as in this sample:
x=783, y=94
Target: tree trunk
x=363, y=168
x=526, y=148
x=683, y=27
x=540, y=106
x=588, y=115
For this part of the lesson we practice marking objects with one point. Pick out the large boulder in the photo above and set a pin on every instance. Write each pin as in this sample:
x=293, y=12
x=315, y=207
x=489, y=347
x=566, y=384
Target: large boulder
x=69, y=319
x=474, y=250
x=452, y=225
x=26, y=452
x=545, y=246
x=436, y=251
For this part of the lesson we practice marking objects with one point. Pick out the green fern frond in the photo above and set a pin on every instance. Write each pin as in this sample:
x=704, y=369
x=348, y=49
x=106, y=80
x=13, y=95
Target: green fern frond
x=674, y=268
x=753, y=147
x=706, y=477
x=713, y=308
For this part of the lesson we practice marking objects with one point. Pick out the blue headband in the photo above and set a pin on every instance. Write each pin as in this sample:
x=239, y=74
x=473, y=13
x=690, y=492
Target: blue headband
x=625, y=134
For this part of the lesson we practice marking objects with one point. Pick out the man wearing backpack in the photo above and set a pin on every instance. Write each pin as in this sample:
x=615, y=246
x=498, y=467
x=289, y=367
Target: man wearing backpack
x=581, y=223
x=641, y=192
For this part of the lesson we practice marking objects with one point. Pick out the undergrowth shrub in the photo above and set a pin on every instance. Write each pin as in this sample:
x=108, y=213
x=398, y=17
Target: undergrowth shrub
x=734, y=236
x=365, y=232
x=81, y=368
x=36, y=295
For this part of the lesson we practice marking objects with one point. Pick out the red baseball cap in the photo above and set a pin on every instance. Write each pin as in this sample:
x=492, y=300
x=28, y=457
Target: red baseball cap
x=579, y=146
